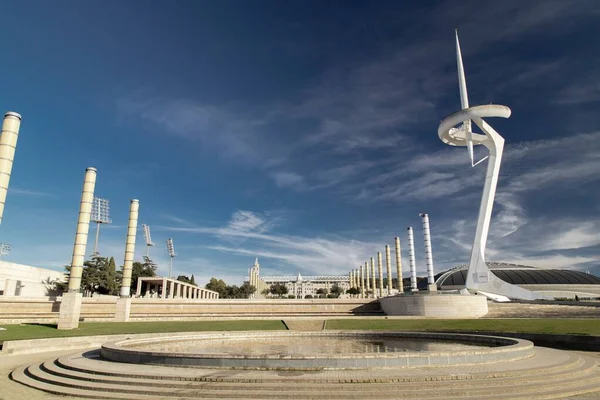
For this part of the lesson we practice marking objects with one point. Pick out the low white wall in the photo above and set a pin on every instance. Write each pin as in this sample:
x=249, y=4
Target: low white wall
x=31, y=279
x=435, y=305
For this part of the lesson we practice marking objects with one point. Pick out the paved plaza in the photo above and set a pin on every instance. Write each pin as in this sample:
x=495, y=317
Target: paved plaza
x=548, y=374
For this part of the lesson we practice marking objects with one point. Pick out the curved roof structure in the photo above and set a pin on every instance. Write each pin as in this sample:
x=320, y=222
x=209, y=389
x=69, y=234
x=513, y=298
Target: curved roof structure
x=522, y=275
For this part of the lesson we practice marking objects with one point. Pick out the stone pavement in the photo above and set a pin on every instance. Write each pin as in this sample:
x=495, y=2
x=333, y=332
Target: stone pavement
x=305, y=324
x=548, y=374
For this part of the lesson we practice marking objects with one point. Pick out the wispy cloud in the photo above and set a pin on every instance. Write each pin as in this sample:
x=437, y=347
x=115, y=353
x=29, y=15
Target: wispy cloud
x=308, y=254
x=34, y=193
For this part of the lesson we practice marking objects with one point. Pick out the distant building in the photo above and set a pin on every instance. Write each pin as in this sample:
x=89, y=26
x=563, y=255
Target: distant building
x=298, y=286
x=557, y=283
x=301, y=287
x=27, y=281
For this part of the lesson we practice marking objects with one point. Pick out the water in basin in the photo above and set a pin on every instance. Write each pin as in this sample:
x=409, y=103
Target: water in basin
x=304, y=345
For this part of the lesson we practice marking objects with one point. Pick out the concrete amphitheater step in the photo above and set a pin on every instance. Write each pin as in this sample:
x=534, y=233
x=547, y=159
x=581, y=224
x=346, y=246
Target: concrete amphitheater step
x=35, y=376
x=543, y=363
x=298, y=393
x=578, y=368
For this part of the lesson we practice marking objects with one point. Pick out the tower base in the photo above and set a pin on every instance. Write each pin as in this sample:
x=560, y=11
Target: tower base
x=70, y=309
x=123, y=309
x=435, y=306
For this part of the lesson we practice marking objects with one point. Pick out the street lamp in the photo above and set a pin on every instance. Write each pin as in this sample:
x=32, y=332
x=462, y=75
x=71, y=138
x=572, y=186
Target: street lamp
x=100, y=215
x=172, y=254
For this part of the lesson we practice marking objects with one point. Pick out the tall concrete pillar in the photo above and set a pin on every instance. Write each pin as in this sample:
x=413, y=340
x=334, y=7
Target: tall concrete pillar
x=70, y=306
x=431, y=286
x=380, y=269
x=368, y=278
x=8, y=145
x=134, y=207
x=411, y=259
x=373, y=277
x=388, y=267
x=361, y=282
x=83, y=227
x=400, y=285
x=171, y=289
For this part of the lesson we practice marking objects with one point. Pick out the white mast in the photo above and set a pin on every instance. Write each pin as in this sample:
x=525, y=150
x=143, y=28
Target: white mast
x=464, y=99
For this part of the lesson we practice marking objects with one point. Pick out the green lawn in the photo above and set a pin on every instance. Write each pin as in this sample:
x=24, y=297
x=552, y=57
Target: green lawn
x=35, y=331
x=557, y=326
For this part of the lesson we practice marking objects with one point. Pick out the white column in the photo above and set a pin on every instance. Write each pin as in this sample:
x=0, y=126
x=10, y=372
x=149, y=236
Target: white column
x=411, y=259
x=134, y=207
x=83, y=227
x=171, y=289
x=8, y=145
x=388, y=267
x=400, y=285
x=380, y=269
x=373, y=277
x=431, y=286
x=361, y=282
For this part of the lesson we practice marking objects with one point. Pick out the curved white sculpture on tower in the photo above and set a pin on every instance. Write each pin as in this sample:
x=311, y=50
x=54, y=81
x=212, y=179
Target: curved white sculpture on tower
x=456, y=130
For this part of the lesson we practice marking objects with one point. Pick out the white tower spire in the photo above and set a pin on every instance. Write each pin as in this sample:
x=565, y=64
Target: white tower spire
x=464, y=99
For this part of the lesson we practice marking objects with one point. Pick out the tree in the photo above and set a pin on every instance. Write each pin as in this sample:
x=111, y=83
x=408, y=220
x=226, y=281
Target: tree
x=278, y=289
x=184, y=278
x=217, y=285
x=142, y=269
x=336, y=290
x=230, y=292
x=192, y=280
x=108, y=282
x=322, y=292
x=353, y=291
x=246, y=290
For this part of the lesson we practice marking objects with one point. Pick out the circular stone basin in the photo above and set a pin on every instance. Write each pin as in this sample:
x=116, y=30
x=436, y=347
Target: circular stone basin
x=317, y=350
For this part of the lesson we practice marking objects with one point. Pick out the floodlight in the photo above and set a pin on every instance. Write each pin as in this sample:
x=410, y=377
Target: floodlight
x=147, y=236
x=4, y=249
x=172, y=254
x=146, y=230
x=100, y=215
x=100, y=211
x=170, y=248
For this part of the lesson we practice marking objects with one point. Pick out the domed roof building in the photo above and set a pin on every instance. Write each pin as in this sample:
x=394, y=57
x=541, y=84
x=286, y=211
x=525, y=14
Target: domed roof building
x=558, y=283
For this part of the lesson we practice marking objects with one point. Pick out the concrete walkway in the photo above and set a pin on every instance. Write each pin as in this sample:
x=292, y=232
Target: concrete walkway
x=305, y=324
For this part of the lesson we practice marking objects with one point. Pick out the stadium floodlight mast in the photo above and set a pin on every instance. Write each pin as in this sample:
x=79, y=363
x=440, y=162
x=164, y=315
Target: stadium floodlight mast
x=4, y=249
x=172, y=254
x=100, y=215
x=148, y=238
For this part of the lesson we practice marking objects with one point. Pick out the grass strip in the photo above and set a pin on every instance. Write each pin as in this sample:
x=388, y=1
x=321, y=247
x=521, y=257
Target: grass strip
x=40, y=331
x=554, y=326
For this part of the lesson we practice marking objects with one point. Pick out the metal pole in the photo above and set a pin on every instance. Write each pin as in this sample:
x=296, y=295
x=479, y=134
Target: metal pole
x=96, y=241
x=170, y=266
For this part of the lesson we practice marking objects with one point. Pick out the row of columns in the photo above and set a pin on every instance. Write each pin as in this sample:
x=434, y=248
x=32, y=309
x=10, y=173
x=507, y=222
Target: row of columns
x=174, y=289
x=364, y=277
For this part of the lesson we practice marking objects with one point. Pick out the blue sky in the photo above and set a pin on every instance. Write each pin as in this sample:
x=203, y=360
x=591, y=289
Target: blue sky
x=303, y=133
